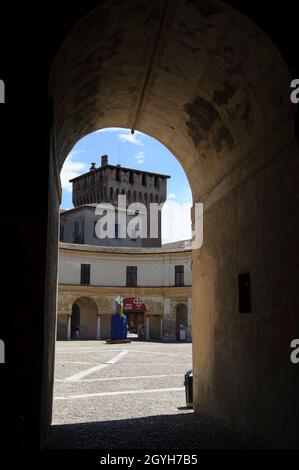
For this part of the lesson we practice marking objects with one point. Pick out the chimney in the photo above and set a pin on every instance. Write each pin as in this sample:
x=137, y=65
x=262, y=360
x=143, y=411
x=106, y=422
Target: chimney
x=104, y=160
x=93, y=167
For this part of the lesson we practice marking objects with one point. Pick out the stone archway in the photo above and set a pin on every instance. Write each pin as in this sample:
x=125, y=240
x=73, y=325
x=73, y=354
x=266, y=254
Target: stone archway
x=209, y=84
x=85, y=318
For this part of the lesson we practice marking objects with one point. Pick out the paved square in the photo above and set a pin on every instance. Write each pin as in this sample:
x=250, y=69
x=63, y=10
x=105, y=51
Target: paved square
x=95, y=381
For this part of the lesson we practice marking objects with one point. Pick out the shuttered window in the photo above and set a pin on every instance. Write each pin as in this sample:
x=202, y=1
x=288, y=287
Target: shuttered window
x=179, y=275
x=85, y=274
x=131, y=277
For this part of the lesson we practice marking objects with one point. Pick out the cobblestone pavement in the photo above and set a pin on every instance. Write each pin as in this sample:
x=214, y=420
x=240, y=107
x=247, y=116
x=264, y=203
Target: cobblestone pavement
x=129, y=396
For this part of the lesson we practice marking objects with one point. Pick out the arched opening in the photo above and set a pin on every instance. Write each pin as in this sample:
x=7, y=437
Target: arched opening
x=222, y=106
x=84, y=319
x=181, y=322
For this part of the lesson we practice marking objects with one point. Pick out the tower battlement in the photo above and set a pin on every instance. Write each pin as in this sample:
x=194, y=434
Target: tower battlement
x=105, y=183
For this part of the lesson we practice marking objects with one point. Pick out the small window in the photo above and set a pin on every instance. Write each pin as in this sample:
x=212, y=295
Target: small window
x=78, y=234
x=156, y=181
x=245, y=293
x=85, y=274
x=179, y=275
x=131, y=177
x=144, y=179
x=116, y=231
x=61, y=232
x=131, y=276
x=117, y=175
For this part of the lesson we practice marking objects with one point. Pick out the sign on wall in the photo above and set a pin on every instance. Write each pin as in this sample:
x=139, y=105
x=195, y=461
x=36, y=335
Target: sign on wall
x=132, y=304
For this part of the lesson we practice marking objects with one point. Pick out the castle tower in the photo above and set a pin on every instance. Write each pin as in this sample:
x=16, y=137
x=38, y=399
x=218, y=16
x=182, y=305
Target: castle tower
x=103, y=185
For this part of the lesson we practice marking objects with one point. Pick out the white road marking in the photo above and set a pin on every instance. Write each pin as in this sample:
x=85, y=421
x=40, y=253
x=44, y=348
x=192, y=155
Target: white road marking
x=127, y=392
x=107, y=379
x=78, y=376
x=117, y=357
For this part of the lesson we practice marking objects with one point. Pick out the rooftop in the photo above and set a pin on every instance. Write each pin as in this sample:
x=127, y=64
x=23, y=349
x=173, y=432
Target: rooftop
x=176, y=247
x=108, y=165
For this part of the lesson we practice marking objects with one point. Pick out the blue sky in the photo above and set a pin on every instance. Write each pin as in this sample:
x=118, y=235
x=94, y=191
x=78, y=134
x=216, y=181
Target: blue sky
x=138, y=151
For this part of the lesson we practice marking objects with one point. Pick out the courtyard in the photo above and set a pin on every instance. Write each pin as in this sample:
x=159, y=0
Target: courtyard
x=129, y=396
x=95, y=381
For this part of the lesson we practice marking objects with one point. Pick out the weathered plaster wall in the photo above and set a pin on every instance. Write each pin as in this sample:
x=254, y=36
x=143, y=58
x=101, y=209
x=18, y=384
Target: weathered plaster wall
x=243, y=372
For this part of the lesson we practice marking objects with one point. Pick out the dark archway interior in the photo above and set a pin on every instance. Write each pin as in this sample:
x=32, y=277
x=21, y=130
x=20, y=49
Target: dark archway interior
x=244, y=165
x=181, y=318
x=75, y=322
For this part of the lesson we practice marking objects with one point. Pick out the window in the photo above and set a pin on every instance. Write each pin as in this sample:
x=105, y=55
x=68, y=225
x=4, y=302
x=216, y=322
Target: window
x=179, y=275
x=131, y=177
x=131, y=280
x=85, y=274
x=156, y=181
x=76, y=229
x=144, y=179
x=245, y=293
x=117, y=174
x=78, y=234
x=61, y=232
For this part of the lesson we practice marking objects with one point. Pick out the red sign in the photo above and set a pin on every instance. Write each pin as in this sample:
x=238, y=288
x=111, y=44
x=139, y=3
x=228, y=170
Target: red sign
x=131, y=304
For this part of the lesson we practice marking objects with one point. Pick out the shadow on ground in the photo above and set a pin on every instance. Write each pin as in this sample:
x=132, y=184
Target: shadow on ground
x=179, y=431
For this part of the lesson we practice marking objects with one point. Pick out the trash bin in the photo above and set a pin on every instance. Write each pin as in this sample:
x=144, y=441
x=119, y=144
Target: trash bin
x=189, y=388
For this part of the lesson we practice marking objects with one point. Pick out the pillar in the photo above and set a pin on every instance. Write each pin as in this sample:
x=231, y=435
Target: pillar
x=167, y=318
x=147, y=329
x=190, y=311
x=99, y=327
x=161, y=327
x=68, y=331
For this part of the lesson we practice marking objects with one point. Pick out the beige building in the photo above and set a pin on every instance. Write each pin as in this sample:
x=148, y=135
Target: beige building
x=155, y=280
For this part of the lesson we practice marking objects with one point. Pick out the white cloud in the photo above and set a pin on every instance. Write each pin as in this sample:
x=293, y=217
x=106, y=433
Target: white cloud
x=124, y=135
x=171, y=196
x=109, y=129
x=176, y=221
x=72, y=169
x=140, y=157
x=131, y=138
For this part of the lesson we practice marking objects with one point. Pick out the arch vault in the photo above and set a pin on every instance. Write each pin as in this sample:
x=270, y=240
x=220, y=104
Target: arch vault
x=210, y=85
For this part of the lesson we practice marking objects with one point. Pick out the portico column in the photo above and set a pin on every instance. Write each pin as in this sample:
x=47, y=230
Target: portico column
x=99, y=327
x=147, y=335
x=161, y=327
x=69, y=323
x=190, y=311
